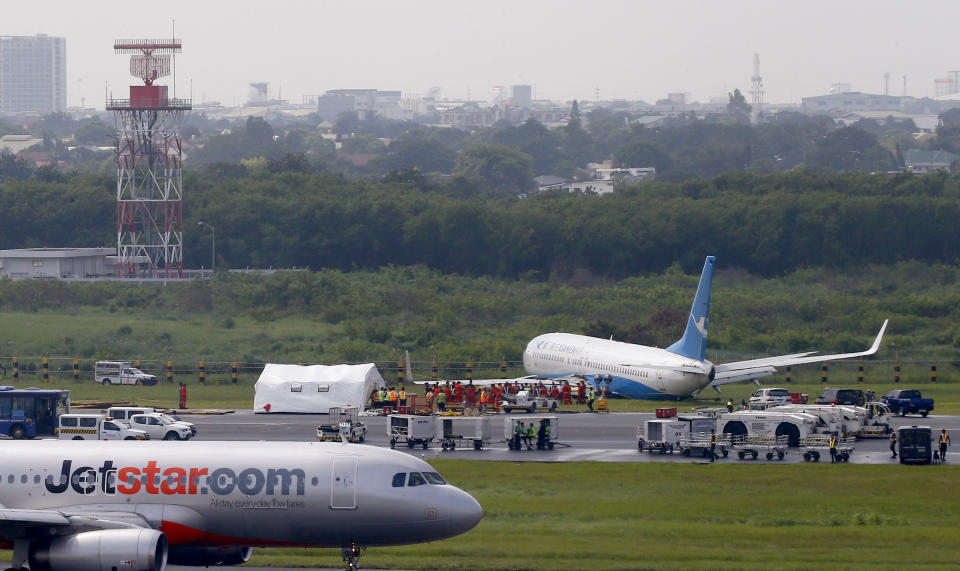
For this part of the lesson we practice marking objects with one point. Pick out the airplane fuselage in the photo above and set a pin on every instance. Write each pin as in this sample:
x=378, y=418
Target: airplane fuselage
x=258, y=494
x=637, y=371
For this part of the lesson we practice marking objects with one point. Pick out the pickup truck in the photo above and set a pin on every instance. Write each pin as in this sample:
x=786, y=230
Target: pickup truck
x=160, y=426
x=907, y=401
x=124, y=413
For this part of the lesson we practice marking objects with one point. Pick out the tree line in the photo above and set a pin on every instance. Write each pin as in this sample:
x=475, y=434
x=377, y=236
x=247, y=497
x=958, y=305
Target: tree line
x=769, y=224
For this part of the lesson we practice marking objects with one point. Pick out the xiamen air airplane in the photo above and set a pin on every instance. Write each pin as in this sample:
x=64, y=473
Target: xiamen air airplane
x=135, y=506
x=679, y=371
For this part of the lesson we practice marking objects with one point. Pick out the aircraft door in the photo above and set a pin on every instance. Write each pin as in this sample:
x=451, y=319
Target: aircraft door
x=343, y=483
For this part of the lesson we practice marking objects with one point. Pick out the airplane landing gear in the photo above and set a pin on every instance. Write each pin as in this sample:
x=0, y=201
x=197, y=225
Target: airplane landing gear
x=352, y=556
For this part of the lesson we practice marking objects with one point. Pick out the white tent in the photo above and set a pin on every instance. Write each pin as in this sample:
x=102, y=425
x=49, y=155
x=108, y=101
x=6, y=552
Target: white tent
x=314, y=388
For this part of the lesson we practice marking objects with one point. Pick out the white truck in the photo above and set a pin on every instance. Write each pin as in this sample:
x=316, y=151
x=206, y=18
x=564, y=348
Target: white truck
x=160, y=426
x=124, y=413
x=523, y=400
x=121, y=373
x=96, y=427
x=770, y=424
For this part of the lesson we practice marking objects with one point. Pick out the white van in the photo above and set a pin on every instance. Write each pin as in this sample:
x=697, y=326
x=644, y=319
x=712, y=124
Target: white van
x=95, y=427
x=121, y=373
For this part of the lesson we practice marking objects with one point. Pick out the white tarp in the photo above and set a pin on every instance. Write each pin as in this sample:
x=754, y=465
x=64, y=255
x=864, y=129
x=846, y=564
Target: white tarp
x=314, y=388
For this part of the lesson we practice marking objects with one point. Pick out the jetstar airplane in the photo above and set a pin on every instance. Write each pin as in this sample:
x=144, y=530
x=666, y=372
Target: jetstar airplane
x=679, y=371
x=134, y=506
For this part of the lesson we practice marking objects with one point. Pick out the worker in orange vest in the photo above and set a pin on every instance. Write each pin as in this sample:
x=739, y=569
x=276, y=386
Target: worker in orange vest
x=483, y=401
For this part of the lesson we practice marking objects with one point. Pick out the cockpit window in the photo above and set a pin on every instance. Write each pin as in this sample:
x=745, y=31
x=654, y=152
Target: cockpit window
x=398, y=479
x=416, y=479
x=434, y=478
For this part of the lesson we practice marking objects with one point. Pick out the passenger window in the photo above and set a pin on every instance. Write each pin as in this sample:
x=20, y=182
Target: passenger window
x=398, y=479
x=110, y=426
x=88, y=422
x=68, y=422
x=416, y=479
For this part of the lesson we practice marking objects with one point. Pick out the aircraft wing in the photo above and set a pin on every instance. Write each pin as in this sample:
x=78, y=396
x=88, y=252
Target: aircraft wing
x=18, y=523
x=743, y=368
x=741, y=375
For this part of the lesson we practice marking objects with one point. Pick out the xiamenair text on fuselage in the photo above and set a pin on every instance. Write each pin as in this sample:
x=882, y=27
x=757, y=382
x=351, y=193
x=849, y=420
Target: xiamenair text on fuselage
x=679, y=371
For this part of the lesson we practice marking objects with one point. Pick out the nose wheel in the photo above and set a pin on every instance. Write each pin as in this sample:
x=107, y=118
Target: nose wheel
x=352, y=556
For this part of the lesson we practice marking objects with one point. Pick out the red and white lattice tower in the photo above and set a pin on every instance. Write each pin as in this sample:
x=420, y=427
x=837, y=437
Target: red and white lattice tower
x=149, y=157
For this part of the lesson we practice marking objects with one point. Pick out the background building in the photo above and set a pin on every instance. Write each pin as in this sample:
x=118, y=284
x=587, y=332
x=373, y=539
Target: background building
x=33, y=74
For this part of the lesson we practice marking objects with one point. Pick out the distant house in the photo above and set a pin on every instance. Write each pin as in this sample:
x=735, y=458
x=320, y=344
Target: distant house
x=920, y=161
x=58, y=263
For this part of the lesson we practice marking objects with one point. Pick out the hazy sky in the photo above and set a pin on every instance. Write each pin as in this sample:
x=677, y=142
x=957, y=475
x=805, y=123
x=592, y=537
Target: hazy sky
x=565, y=49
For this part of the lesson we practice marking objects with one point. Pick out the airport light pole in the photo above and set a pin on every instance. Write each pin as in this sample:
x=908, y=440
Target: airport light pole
x=213, y=245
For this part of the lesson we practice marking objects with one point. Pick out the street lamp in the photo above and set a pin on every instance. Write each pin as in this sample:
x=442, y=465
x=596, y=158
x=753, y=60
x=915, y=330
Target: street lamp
x=213, y=246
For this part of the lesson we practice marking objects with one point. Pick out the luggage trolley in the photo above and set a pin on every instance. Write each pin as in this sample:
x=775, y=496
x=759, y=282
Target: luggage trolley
x=757, y=445
x=814, y=446
x=411, y=429
x=342, y=422
x=455, y=430
x=698, y=443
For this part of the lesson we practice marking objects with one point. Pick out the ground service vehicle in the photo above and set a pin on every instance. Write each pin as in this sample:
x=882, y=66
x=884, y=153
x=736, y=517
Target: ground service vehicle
x=771, y=397
x=874, y=426
x=845, y=420
x=121, y=373
x=414, y=430
x=160, y=426
x=768, y=424
x=96, y=427
x=662, y=435
x=841, y=396
x=904, y=402
x=453, y=430
x=523, y=400
x=915, y=444
x=545, y=443
x=28, y=413
x=123, y=414
x=342, y=423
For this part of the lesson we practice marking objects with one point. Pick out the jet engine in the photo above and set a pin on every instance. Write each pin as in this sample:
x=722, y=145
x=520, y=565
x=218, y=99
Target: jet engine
x=106, y=550
x=206, y=556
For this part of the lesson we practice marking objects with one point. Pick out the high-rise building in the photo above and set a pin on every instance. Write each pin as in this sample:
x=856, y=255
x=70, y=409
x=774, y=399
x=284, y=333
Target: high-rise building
x=33, y=74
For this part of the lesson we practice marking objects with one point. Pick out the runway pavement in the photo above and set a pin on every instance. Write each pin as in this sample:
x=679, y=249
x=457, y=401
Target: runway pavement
x=581, y=437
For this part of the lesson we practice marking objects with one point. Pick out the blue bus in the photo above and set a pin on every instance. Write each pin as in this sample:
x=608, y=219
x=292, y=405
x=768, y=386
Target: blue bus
x=28, y=413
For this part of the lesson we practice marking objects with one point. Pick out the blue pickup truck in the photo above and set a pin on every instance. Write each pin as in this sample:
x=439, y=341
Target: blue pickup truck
x=905, y=401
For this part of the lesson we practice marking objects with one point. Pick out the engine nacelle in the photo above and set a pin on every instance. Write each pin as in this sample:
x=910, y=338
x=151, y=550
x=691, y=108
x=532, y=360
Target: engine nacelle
x=106, y=550
x=204, y=556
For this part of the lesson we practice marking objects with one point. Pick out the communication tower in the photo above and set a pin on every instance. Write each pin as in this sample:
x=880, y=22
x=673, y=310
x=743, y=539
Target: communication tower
x=149, y=157
x=757, y=88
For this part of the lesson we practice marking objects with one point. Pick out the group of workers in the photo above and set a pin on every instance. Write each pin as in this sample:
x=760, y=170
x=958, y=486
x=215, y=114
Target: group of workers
x=523, y=434
x=486, y=398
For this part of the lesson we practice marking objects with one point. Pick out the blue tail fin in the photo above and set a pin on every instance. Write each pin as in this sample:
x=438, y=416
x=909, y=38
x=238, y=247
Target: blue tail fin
x=693, y=344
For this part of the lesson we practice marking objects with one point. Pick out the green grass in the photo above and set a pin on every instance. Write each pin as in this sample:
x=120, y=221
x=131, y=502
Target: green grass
x=686, y=516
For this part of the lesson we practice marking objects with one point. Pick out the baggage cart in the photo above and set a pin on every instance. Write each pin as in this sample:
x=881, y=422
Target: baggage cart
x=698, y=444
x=412, y=429
x=754, y=446
x=342, y=423
x=545, y=442
x=470, y=430
x=815, y=446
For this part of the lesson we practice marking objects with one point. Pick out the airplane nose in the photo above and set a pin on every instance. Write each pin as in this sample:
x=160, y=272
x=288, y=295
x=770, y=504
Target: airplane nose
x=465, y=513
